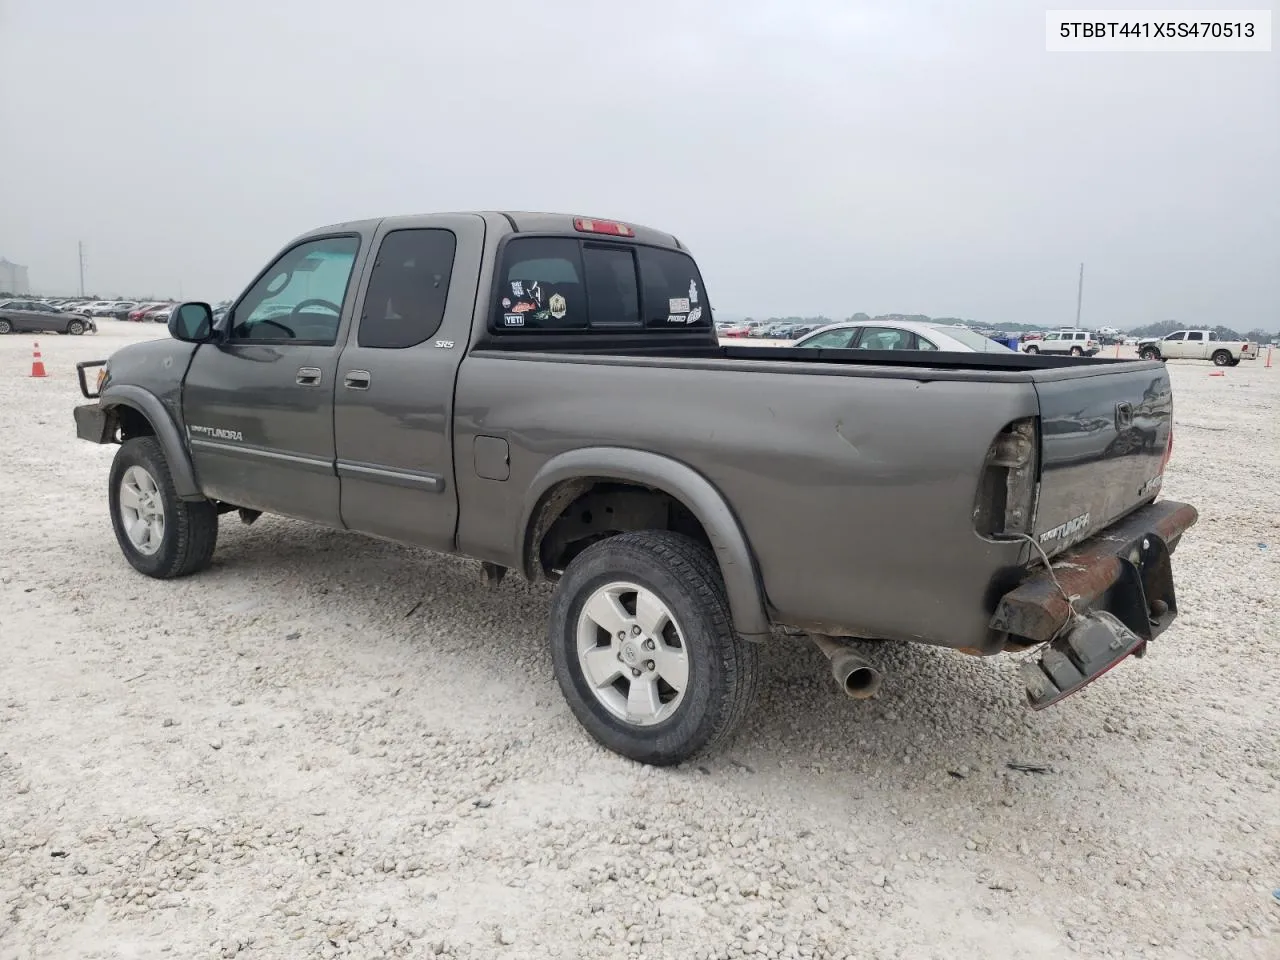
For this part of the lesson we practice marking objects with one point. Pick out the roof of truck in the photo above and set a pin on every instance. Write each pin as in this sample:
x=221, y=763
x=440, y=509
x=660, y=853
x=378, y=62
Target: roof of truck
x=521, y=221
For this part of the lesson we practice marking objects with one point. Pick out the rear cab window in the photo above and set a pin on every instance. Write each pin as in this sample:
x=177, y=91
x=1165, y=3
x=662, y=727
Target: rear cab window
x=568, y=284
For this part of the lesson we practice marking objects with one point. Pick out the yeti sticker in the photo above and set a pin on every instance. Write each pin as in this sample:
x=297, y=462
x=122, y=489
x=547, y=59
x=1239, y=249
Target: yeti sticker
x=513, y=319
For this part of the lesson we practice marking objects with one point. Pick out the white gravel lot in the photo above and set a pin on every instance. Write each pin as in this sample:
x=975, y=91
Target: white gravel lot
x=328, y=745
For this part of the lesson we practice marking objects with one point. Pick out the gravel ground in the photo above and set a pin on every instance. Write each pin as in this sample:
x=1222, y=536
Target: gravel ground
x=328, y=745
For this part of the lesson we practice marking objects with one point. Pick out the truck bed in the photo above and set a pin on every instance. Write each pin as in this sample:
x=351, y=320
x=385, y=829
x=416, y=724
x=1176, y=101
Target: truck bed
x=833, y=457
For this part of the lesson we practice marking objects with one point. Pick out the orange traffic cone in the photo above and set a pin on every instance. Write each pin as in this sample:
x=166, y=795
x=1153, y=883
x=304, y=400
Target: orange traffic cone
x=37, y=363
x=1268, y=363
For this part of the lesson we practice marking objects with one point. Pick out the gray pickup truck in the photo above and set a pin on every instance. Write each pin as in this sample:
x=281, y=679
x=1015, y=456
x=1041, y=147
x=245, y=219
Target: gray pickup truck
x=546, y=394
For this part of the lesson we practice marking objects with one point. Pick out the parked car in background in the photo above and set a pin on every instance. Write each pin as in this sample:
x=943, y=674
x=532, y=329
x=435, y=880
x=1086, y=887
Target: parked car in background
x=33, y=316
x=121, y=309
x=139, y=310
x=158, y=314
x=735, y=331
x=1198, y=345
x=1077, y=343
x=900, y=335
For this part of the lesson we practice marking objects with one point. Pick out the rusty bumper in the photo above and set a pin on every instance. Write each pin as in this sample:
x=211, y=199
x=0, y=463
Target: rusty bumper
x=1121, y=578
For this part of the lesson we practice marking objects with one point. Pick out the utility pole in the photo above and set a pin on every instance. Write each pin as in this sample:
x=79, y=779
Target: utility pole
x=1079, y=296
x=81, y=268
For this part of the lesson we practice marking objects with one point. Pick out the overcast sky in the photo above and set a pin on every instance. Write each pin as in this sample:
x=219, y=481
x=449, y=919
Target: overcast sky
x=818, y=157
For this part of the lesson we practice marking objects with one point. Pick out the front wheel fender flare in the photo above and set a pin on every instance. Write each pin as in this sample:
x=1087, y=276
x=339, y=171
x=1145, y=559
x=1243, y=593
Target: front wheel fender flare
x=696, y=492
x=170, y=439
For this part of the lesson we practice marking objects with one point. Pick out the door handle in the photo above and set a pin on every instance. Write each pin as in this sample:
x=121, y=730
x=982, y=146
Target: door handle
x=309, y=376
x=356, y=380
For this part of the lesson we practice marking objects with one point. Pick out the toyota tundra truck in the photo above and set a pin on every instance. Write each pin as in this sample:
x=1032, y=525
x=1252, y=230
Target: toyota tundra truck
x=545, y=394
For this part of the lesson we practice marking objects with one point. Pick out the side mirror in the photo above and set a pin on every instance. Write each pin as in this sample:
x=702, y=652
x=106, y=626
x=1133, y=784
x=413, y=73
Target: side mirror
x=191, y=322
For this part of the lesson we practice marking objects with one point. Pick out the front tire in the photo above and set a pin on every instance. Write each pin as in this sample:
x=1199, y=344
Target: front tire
x=1032, y=350
x=5, y=327
x=1150, y=354
x=1077, y=352
x=644, y=648
x=75, y=328
x=1221, y=358
x=159, y=534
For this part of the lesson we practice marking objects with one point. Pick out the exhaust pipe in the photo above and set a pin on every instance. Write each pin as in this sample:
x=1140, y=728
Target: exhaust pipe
x=858, y=679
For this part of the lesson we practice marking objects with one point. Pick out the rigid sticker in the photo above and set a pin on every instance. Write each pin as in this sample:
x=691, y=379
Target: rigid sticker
x=678, y=305
x=513, y=319
x=695, y=315
x=557, y=306
x=517, y=287
x=693, y=292
x=676, y=317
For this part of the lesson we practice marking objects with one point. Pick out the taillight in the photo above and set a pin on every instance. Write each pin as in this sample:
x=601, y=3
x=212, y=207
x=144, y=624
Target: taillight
x=1005, y=504
x=609, y=227
x=1168, y=450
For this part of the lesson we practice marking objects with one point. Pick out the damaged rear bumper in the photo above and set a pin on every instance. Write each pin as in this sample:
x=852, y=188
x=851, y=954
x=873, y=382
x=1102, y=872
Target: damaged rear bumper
x=1120, y=582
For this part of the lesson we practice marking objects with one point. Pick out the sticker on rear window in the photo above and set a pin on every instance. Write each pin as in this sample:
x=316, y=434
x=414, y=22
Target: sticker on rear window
x=517, y=287
x=693, y=292
x=513, y=319
x=678, y=305
x=557, y=306
x=695, y=315
x=506, y=302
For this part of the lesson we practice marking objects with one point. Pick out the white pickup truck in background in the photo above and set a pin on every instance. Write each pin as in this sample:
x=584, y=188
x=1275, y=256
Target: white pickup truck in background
x=1197, y=345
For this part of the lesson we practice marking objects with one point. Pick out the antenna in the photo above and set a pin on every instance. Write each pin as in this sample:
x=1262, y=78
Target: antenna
x=81, y=246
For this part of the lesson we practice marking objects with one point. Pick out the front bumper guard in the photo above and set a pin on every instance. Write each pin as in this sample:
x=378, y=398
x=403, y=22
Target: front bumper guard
x=1120, y=585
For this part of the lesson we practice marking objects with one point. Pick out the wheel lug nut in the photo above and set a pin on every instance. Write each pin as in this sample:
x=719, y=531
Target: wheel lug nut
x=649, y=665
x=635, y=672
x=648, y=644
x=622, y=634
x=635, y=631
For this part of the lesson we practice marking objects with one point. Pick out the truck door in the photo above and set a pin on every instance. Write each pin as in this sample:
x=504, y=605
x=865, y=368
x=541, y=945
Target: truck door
x=393, y=413
x=1174, y=346
x=258, y=405
x=1196, y=348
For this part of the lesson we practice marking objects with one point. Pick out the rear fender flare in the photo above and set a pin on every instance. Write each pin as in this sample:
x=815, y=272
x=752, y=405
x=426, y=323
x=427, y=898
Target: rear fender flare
x=175, y=451
x=704, y=501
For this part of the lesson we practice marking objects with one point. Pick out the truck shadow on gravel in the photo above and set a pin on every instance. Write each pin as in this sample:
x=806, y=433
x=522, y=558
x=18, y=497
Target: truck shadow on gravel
x=428, y=604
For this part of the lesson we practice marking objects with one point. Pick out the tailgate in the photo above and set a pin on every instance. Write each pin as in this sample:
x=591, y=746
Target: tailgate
x=1104, y=439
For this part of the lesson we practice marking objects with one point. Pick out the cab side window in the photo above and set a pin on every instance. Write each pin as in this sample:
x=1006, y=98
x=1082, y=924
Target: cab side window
x=1196, y=335
x=404, y=303
x=299, y=298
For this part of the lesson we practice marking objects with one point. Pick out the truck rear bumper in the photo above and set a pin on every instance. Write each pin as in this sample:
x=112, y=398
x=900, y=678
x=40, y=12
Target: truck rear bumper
x=1120, y=582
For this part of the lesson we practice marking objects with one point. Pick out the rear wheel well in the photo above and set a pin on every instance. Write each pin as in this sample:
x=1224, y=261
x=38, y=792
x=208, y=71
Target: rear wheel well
x=577, y=513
